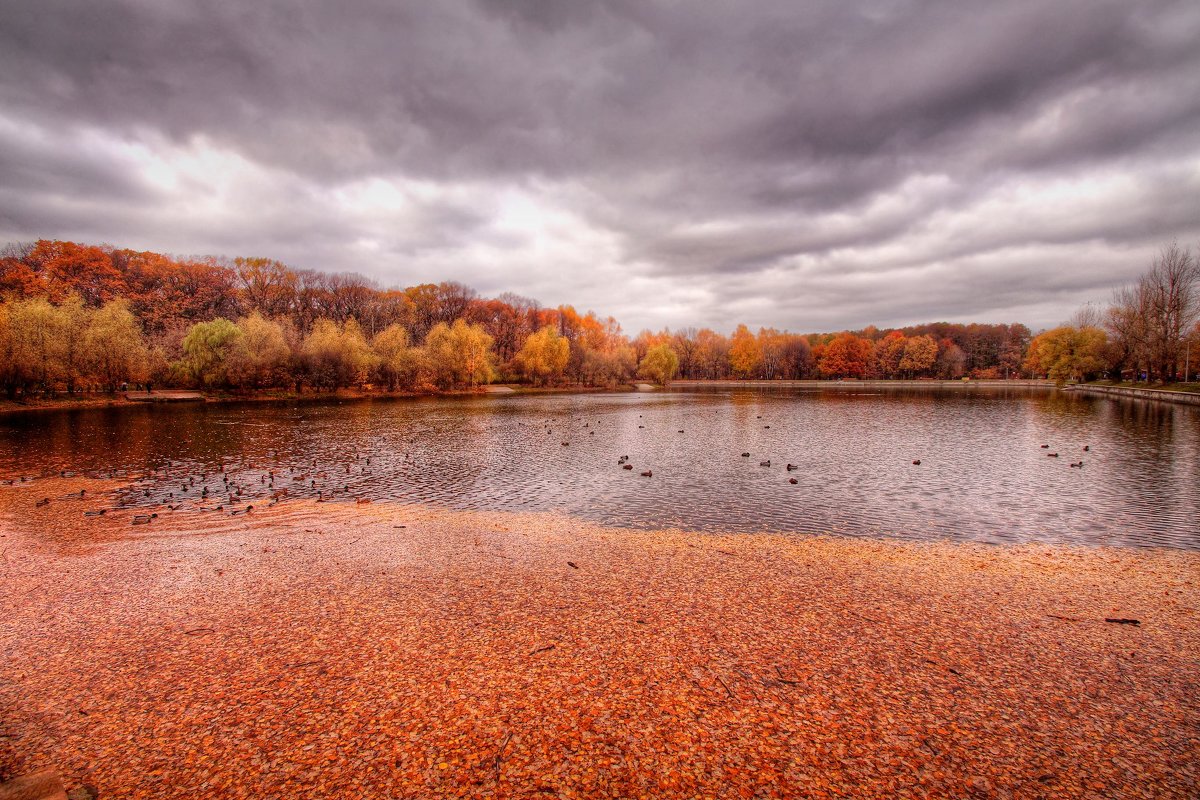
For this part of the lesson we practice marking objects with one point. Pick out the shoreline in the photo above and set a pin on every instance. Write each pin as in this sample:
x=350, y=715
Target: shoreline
x=122, y=399
x=322, y=649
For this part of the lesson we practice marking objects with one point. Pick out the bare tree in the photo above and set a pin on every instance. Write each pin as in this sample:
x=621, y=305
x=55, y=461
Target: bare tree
x=1088, y=315
x=1151, y=319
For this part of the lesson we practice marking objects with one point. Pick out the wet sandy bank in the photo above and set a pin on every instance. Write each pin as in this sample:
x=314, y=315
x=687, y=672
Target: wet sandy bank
x=322, y=650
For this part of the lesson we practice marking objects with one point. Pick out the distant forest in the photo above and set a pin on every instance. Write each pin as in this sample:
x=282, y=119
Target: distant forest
x=78, y=317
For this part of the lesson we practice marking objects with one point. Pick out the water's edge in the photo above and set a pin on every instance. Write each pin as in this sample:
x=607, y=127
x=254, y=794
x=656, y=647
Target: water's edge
x=1186, y=398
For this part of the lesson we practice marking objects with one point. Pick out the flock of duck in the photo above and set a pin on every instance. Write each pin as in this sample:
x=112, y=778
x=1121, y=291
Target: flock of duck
x=232, y=495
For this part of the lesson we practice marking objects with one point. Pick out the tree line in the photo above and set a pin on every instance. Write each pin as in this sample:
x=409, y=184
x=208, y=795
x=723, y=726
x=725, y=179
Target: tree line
x=76, y=317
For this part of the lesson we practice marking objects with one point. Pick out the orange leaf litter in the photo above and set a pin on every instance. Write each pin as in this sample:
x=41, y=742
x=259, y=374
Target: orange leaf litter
x=320, y=650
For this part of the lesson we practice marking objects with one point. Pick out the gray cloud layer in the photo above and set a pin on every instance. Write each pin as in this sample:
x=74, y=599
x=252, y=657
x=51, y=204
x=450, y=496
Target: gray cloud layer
x=814, y=167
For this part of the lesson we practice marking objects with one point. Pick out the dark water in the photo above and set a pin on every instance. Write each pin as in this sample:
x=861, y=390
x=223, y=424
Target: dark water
x=983, y=475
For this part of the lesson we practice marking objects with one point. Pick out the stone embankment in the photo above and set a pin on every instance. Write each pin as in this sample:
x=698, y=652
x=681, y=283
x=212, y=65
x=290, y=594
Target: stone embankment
x=862, y=384
x=1187, y=398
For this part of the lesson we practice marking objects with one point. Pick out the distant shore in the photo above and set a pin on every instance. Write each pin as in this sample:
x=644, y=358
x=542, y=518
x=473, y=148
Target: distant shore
x=401, y=650
x=138, y=397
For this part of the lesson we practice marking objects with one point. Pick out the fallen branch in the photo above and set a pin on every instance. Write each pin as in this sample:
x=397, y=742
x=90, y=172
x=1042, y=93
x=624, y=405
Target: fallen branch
x=198, y=631
x=782, y=679
x=542, y=649
x=1123, y=621
x=721, y=681
x=500, y=754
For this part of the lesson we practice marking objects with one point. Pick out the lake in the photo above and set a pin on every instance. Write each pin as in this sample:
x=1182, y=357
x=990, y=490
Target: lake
x=984, y=475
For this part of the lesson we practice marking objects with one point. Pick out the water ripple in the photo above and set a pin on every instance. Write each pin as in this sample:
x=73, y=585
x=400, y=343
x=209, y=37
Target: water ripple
x=983, y=473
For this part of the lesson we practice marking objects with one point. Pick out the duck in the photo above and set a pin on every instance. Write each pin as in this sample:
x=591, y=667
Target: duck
x=766, y=463
x=745, y=455
x=792, y=480
x=791, y=467
x=627, y=466
x=1051, y=455
x=648, y=474
x=916, y=462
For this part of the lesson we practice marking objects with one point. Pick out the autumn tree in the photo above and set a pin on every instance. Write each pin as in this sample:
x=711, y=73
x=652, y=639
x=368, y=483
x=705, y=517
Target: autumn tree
x=610, y=367
x=337, y=355
x=115, y=347
x=86, y=270
x=506, y=320
x=1067, y=353
x=660, y=364
x=397, y=363
x=745, y=353
x=258, y=357
x=459, y=354
x=888, y=353
x=74, y=320
x=920, y=354
x=712, y=357
x=9, y=373
x=206, y=351
x=18, y=277
x=544, y=356
x=266, y=285
x=847, y=356
x=35, y=328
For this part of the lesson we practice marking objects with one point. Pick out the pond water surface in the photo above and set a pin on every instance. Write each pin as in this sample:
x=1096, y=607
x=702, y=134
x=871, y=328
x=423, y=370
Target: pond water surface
x=983, y=476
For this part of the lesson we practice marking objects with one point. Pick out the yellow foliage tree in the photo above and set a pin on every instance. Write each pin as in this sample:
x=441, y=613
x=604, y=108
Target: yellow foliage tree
x=660, y=364
x=920, y=353
x=115, y=347
x=459, y=354
x=396, y=363
x=337, y=355
x=544, y=356
x=1068, y=353
x=259, y=356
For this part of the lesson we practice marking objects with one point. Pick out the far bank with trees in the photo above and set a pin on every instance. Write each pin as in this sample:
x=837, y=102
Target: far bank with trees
x=78, y=319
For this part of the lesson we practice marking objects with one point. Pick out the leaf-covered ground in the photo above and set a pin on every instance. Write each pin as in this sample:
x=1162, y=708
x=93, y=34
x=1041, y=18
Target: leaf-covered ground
x=321, y=650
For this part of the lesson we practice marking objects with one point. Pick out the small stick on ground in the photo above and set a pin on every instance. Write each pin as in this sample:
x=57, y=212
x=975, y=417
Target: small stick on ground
x=500, y=754
x=782, y=679
x=721, y=681
x=543, y=649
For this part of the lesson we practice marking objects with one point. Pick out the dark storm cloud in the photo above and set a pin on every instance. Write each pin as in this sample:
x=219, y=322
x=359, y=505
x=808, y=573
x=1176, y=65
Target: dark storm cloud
x=816, y=165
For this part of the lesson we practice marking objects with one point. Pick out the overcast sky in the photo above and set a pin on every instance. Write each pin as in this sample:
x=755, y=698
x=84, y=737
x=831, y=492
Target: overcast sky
x=805, y=165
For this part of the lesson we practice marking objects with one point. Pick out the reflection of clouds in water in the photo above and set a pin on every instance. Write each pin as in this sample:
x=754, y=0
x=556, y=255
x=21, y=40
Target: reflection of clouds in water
x=982, y=475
